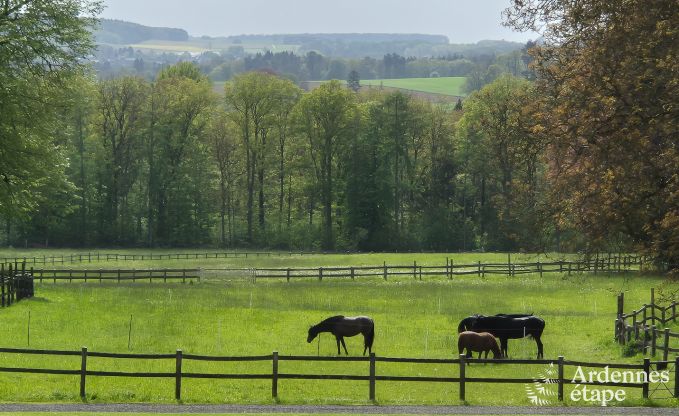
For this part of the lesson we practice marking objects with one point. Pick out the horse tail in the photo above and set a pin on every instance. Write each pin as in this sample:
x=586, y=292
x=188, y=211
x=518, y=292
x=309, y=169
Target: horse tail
x=461, y=327
x=370, y=336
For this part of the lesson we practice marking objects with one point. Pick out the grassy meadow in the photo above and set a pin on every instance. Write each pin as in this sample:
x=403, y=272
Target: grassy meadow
x=237, y=317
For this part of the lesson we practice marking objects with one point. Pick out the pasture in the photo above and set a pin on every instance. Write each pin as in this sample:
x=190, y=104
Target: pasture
x=227, y=316
x=442, y=85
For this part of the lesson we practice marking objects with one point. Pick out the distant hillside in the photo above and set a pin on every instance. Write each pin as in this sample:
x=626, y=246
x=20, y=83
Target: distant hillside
x=123, y=33
x=305, y=38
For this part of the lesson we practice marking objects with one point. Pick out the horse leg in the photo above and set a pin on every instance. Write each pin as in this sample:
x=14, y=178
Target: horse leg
x=338, y=345
x=539, y=343
x=503, y=344
x=344, y=345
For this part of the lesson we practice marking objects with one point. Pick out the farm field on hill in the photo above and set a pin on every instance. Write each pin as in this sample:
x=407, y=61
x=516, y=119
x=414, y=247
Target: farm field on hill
x=441, y=85
x=214, y=317
x=198, y=45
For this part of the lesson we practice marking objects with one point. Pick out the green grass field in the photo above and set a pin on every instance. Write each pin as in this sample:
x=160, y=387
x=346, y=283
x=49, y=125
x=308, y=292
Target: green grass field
x=442, y=85
x=237, y=317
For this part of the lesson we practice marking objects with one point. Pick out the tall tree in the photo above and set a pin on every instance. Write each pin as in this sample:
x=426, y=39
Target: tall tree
x=610, y=75
x=504, y=155
x=120, y=106
x=42, y=46
x=325, y=118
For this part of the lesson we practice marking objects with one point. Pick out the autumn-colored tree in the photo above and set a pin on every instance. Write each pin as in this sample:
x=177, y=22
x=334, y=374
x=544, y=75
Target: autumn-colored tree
x=609, y=71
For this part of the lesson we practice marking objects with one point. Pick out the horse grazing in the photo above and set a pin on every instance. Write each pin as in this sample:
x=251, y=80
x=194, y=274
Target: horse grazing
x=479, y=342
x=506, y=326
x=341, y=326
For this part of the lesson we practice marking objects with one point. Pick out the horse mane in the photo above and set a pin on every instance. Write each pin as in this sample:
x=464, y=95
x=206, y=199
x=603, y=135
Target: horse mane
x=332, y=319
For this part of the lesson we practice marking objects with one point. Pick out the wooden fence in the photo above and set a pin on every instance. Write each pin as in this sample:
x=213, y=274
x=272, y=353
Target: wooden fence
x=645, y=326
x=15, y=283
x=371, y=377
x=449, y=270
x=607, y=262
x=117, y=275
x=98, y=257
x=594, y=265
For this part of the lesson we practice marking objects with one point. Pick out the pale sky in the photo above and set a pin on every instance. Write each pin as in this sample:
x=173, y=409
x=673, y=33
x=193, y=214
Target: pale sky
x=463, y=21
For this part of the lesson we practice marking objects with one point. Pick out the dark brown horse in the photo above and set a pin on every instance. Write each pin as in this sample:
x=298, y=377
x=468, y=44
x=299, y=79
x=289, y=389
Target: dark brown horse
x=479, y=342
x=341, y=326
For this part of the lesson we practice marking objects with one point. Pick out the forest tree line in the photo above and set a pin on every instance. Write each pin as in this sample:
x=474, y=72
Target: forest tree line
x=172, y=163
x=582, y=156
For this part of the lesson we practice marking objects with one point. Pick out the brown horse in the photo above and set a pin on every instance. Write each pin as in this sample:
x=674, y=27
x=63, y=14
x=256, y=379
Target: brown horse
x=341, y=327
x=479, y=342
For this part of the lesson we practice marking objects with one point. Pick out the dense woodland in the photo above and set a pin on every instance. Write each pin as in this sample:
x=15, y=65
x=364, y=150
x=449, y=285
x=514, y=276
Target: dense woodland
x=580, y=156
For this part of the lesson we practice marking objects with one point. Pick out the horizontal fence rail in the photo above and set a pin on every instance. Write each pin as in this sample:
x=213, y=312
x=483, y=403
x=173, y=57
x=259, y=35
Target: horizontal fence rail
x=384, y=271
x=371, y=375
x=449, y=270
x=605, y=262
x=116, y=275
x=644, y=327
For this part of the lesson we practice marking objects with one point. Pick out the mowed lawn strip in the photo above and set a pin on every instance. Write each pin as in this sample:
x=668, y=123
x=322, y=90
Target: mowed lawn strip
x=413, y=319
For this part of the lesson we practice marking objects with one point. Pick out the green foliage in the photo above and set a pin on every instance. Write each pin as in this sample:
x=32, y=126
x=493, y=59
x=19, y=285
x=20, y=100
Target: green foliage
x=42, y=46
x=608, y=75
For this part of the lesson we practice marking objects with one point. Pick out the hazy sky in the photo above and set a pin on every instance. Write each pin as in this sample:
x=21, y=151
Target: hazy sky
x=463, y=21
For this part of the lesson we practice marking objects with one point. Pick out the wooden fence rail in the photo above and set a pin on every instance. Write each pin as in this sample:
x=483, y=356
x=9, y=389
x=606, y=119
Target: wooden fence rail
x=15, y=283
x=98, y=257
x=607, y=262
x=116, y=275
x=450, y=269
x=372, y=377
x=643, y=326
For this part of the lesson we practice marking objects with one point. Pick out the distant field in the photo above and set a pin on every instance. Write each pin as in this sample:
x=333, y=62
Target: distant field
x=197, y=45
x=442, y=85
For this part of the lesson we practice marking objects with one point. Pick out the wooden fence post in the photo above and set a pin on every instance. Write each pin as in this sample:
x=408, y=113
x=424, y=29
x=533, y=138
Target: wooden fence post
x=462, y=377
x=372, y=376
x=178, y=376
x=352, y=273
x=274, y=375
x=561, y=380
x=666, y=347
x=509, y=264
x=385, y=270
x=287, y=274
x=450, y=275
x=676, y=377
x=479, y=266
x=415, y=269
x=647, y=370
x=83, y=371
x=645, y=340
x=653, y=341
x=320, y=274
